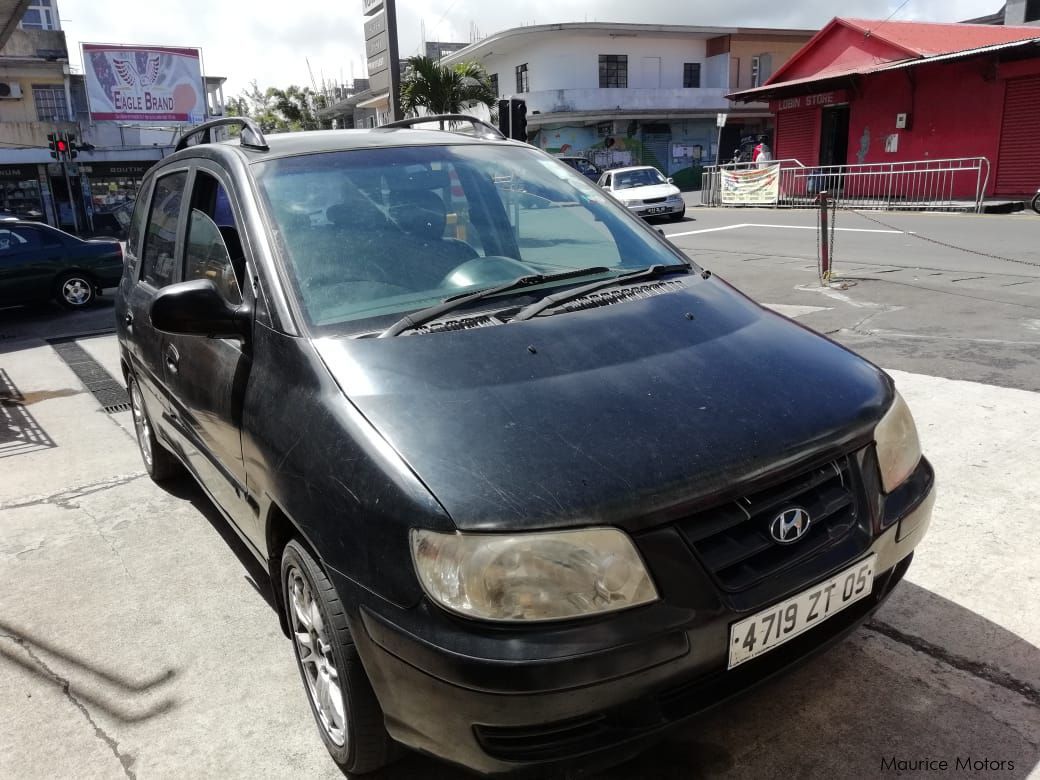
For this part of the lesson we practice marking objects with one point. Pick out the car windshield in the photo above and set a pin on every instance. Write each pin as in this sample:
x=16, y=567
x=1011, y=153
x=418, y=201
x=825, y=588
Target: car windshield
x=641, y=177
x=375, y=233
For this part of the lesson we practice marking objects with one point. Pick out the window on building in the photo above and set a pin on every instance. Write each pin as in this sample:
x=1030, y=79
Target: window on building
x=51, y=105
x=1032, y=11
x=613, y=70
x=761, y=69
x=691, y=75
x=522, y=84
x=40, y=15
x=603, y=129
x=493, y=78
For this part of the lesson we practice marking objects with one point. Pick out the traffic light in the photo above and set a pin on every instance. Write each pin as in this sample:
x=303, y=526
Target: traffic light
x=512, y=119
x=62, y=146
x=72, y=150
x=52, y=142
x=503, y=117
x=518, y=120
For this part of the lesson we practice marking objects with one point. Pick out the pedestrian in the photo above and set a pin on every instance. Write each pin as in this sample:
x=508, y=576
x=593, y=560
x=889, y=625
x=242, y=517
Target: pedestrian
x=762, y=154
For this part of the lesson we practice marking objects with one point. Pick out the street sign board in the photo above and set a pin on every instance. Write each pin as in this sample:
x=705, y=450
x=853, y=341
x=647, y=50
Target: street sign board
x=377, y=45
x=380, y=82
x=720, y=120
x=378, y=64
x=375, y=25
x=369, y=7
x=147, y=83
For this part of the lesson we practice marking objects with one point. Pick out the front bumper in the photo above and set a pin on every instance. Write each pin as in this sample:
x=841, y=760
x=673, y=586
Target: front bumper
x=498, y=699
x=657, y=209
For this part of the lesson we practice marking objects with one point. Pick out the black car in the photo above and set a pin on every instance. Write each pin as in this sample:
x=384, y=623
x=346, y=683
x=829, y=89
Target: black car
x=38, y=262
x=586, y=168
x=530, y=486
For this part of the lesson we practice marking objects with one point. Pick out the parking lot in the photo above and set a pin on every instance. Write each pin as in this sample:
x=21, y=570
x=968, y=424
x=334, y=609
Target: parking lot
x=137, y=636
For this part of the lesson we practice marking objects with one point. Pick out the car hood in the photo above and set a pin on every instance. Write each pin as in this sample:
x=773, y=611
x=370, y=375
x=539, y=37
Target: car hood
x=612, y=415
x=653, y=191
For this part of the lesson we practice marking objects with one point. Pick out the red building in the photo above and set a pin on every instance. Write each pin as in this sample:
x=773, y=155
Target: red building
x=870, y=91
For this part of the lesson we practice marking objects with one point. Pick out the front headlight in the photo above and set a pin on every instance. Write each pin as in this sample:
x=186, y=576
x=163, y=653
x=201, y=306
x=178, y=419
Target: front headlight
x=532, y=576
x=898, y=448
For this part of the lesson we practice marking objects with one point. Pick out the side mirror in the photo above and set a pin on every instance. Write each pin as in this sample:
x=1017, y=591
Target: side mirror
x=197, y=308
x=671, y=180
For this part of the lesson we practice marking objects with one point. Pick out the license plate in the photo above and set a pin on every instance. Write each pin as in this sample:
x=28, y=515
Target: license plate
x=771, y=627
x=656, y=209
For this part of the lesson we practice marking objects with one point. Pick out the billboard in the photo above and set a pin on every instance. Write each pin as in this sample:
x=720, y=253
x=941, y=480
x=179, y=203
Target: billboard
x=144, y=83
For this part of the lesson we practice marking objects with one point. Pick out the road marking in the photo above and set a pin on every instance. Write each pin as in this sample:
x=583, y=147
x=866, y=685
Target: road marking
x=785, y=227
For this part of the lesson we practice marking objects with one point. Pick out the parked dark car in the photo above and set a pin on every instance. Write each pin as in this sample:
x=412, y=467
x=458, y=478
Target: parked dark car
x=38, y=262
x=586, y=168
x=529, y=485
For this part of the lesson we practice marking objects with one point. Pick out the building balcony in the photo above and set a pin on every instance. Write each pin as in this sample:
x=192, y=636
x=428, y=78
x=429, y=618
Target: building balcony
x=581, y=101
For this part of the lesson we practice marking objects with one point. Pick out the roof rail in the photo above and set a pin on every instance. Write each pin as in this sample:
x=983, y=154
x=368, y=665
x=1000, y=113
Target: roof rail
x=480, y=127
x=252, y=137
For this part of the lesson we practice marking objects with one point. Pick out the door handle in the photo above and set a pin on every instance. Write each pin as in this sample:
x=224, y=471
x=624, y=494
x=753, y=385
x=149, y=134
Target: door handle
x=129, y=320
x=173, y=358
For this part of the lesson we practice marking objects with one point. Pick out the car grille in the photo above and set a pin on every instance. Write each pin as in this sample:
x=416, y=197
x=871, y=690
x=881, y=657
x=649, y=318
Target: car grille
x=655, y=200
x=733, y=540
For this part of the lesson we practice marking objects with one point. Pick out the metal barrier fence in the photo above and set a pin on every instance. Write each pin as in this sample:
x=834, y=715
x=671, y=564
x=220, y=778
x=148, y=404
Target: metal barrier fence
x=956, y=184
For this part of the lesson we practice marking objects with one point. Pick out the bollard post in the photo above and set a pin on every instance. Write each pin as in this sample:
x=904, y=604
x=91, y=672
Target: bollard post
x=823, y=243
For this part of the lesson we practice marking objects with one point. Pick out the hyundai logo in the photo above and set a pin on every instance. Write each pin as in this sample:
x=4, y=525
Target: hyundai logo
x=790, y=525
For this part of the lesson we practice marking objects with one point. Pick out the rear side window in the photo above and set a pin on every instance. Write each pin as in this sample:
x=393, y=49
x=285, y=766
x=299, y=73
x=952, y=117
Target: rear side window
x=17, y=239
x=133, y=239
x=161, y=235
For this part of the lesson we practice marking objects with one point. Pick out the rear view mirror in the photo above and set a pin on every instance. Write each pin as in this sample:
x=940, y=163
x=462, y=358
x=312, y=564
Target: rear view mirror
x=197, y=308
x=671, y=180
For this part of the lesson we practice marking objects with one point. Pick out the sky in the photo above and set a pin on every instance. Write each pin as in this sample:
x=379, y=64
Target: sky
x=271, y=41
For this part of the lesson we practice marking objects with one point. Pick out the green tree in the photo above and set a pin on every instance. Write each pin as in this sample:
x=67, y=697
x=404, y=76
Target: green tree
x=426, y=84
x=280, y=110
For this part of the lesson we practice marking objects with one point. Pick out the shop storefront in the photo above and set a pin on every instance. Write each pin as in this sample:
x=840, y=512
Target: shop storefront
x=20, y=191
x=112, y=189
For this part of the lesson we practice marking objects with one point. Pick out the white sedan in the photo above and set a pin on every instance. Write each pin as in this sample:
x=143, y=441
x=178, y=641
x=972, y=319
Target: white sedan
x=644, y=191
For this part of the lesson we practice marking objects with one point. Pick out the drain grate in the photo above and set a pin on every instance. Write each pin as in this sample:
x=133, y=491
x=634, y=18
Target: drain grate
x=109, y=393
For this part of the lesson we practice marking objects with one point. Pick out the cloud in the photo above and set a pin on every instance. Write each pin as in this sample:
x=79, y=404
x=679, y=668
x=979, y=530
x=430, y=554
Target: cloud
x=271, y=41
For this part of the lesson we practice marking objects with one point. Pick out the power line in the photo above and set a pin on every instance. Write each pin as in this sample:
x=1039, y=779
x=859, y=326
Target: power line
x=887, y=18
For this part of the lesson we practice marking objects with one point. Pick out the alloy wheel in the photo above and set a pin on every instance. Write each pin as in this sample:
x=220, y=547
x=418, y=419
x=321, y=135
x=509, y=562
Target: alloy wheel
x=314, y=650
x=141, y=425
x=76, y=291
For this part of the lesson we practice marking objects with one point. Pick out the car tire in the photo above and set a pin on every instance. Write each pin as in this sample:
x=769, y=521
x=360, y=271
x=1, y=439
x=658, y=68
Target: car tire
x=677, y=217
x=75, y=290
x=161, y=464
x=353, y=732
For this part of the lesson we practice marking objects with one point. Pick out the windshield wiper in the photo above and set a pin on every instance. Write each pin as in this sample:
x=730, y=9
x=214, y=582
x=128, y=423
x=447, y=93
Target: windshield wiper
x=549, y=301
x=421, y=317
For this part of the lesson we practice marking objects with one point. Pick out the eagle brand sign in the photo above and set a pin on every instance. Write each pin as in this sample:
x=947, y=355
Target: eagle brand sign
x=149, y=83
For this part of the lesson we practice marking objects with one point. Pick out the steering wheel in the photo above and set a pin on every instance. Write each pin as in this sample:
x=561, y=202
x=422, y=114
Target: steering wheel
x=482, y=271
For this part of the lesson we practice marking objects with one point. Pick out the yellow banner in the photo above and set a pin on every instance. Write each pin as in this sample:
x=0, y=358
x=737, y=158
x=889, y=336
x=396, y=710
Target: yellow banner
x=751, y=186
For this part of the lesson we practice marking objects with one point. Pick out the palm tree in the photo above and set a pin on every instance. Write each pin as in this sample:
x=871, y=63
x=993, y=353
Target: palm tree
x=444, y=90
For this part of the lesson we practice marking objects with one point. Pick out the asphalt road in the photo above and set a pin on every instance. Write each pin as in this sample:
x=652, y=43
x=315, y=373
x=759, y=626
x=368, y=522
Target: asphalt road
x=137, y=638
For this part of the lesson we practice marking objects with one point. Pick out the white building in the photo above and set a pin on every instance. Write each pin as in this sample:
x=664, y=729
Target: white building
x=635, y=93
